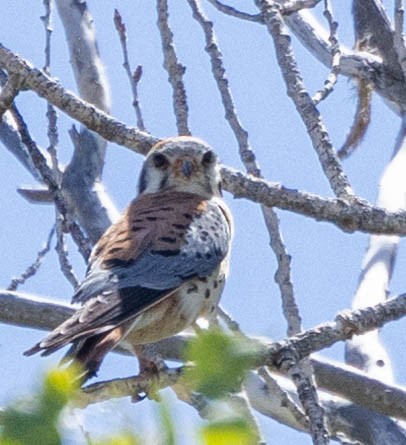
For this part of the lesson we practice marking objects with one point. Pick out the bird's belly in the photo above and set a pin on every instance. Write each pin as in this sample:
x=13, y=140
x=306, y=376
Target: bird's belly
x=197, y=298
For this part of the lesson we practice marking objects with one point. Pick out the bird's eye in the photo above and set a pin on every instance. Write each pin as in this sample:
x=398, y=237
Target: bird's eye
x=160, y=160
x=208, y=158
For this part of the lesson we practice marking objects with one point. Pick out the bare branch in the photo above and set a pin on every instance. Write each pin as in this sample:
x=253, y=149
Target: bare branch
x=81, y=179
x=9, y=90
x=399, y=36
x=134, y=387
x=282, y=274
x=248, y=158
x=229, y=10
x=315, y=38
x=219, y=74
x=76, y=108
x=303, y=102
x=11, y=140
x=367, y=352
x=357, y=386
x=30, y=311
x=275, y=390
x=46, y=19
x=38, y=313
x=62, y=251
x=309, y=399
x=49, y=178
x=34, y=267
x=84, y=191
x=357, y=215
x=335, y=60
x=85, y=58
x=346, y=325
x=135, y=77
x=175, y=69
x=36, y=195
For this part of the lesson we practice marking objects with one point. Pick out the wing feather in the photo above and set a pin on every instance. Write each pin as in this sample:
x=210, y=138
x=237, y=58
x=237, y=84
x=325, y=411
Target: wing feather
x=162, y=241
x=177, y=236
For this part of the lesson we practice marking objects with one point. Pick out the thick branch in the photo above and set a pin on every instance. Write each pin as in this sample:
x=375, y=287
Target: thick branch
x=76, y=108
x=38, y=313
x=81, y=179
x=349, y=216
x=130, y=386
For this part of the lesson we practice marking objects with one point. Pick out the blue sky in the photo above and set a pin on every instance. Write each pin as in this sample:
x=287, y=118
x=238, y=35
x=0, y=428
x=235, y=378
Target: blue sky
x=326, y=261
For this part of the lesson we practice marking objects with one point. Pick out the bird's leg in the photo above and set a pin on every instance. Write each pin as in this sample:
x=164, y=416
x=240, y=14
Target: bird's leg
x=150, y=364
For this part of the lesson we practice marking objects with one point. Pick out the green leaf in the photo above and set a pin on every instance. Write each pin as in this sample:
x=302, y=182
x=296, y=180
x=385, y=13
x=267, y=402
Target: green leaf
x=220, y=362
x=236, y=432
x=36, y=422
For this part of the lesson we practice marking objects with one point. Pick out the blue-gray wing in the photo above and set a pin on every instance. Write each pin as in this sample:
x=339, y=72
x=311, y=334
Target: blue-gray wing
x=159, y=245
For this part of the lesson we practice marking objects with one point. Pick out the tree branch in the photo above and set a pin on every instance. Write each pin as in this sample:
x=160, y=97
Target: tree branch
x=27, y=311
x=78, y=109
x=349, y=216
x=302, y=100
x=174, y=69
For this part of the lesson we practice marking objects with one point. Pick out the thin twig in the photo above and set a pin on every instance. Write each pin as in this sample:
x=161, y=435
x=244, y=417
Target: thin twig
x=90, y=116
x=49, y=178
x=282, y=275
x=135, y=77
x=335, y=59
x=10, y=88
x=302, y=100
x=9, y=135
x=51, y=112
x=62, y=251
x=309, y=399
x=174, y=69
x=219, y=74
x=285, y=400
x=306, y=389
x=248, y=157
x=399, y=36
x=46, y=19
x=34, y=267
x=231, y=324
x=233, y=12
x=349, y=216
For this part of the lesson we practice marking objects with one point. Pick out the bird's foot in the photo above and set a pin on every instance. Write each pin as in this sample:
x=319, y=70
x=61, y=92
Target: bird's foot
x=151, y=365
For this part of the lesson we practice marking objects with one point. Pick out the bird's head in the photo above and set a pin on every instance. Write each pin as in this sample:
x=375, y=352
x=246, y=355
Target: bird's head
x=183, y=164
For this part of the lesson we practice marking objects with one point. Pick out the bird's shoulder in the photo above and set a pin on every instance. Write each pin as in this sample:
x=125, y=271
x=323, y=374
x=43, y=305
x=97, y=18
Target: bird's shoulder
x=157, y=221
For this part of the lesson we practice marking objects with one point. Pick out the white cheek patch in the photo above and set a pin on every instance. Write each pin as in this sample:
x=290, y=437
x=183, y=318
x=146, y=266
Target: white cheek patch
x=153, y=181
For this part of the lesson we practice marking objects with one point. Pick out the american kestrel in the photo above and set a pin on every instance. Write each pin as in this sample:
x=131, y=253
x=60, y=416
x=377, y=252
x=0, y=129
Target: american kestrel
x=160, y=267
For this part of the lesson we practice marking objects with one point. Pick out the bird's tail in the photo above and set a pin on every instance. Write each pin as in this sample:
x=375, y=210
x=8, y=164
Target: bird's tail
x=86, y=354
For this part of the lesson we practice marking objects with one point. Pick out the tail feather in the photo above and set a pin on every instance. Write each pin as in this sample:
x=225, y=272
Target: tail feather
x=88, y=353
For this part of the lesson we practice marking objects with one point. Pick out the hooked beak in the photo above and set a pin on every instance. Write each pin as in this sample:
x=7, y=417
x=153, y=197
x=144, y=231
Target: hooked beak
x=187, y=167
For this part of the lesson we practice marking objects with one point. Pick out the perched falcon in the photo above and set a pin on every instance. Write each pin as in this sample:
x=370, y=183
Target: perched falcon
x=160, y=267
